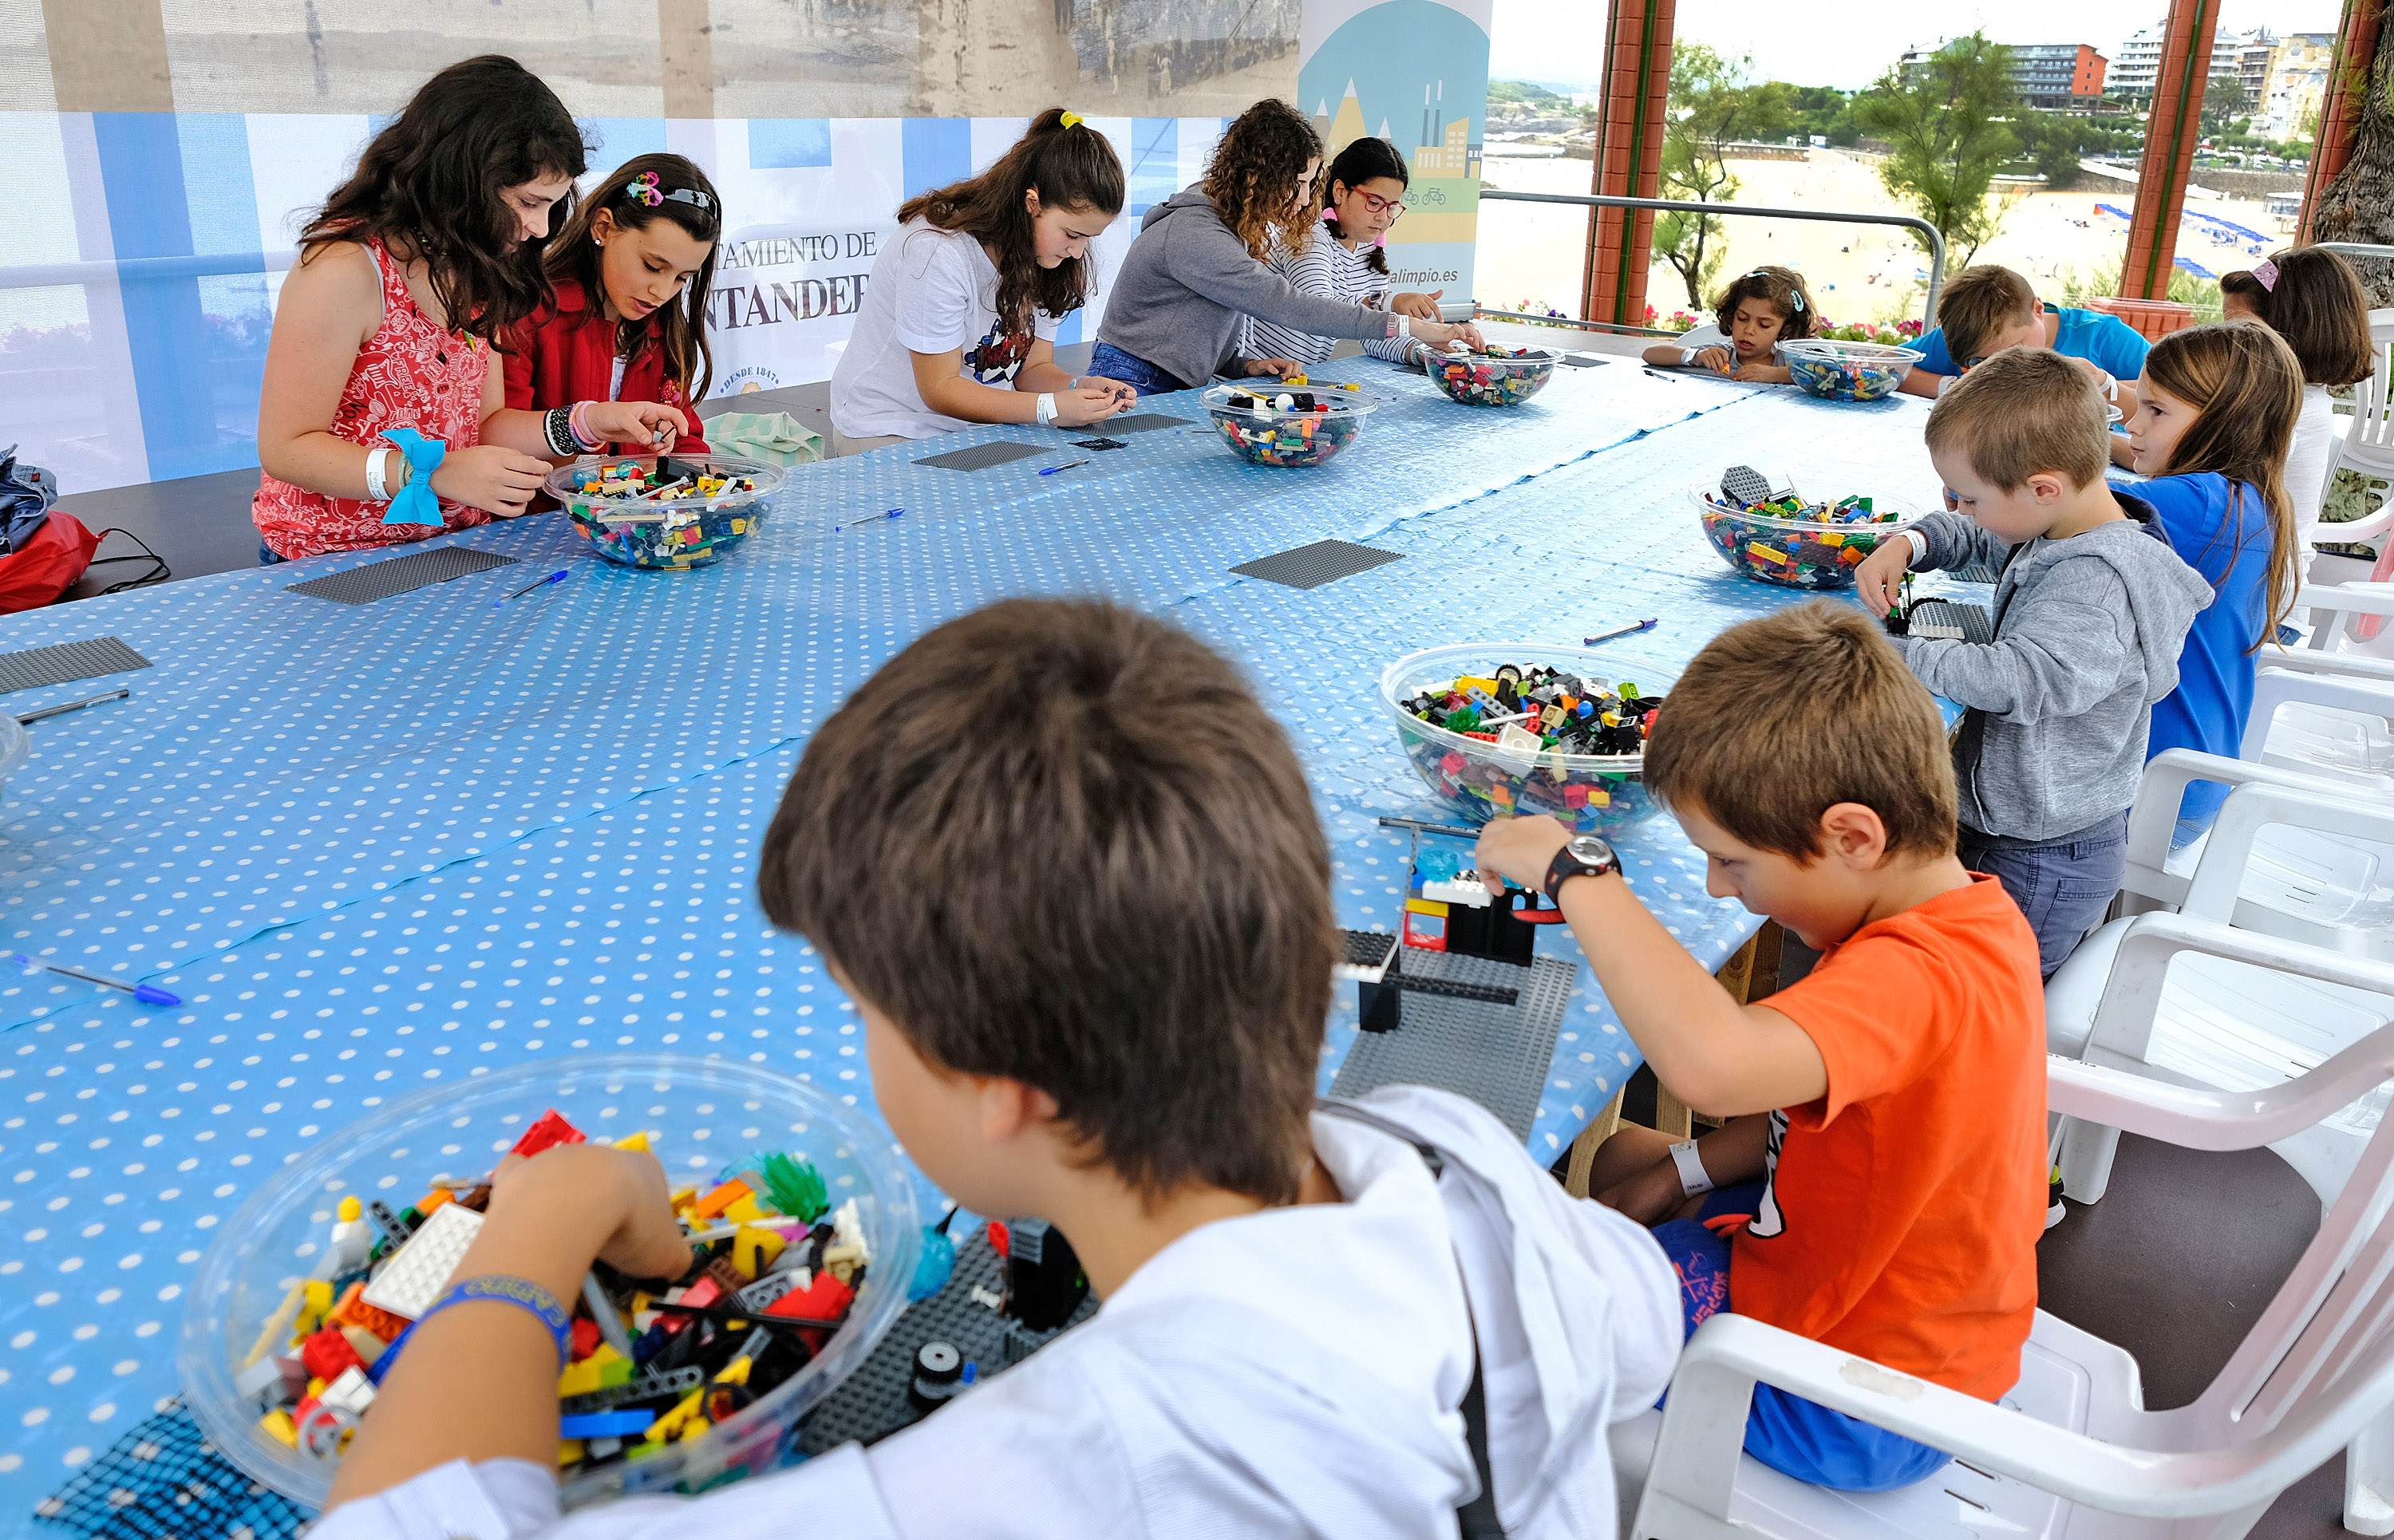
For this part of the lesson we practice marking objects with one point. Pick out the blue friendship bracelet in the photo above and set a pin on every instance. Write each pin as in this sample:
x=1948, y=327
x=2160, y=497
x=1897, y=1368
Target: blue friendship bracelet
x=415, y=503
x=520, y=1292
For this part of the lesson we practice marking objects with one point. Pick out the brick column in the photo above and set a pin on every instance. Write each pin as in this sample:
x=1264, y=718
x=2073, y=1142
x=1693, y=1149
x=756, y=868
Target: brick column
x=2348, y=90
x=1628, y=160
x=2170, y=135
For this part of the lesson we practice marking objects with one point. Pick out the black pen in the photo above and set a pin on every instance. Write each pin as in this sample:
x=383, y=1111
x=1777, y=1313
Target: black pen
x=1658, y=374
x=74, y=705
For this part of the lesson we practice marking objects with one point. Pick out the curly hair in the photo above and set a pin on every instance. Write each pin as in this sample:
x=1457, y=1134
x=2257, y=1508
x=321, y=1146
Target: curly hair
x=1781, y=288
x=1071, y=166
x=1252, y=178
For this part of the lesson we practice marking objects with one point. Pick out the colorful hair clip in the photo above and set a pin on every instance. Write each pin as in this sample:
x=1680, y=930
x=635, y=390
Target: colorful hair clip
x=644, y=188
x=2267, y=275
x=1070, y=120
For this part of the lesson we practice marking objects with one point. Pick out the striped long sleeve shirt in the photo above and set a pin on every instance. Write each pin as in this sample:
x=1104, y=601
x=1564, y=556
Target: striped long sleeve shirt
x=1331, y=272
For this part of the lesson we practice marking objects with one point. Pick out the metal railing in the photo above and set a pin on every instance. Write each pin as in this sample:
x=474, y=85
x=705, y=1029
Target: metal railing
x=2342, y=248
x=134, y=270
x=1664, y=205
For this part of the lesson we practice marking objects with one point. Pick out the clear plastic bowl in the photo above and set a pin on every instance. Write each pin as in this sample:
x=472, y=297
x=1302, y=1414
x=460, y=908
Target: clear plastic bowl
x=675, y=534
x=1270, y=437
x=1847, y=370
x=1475, y=379
x=700, y=1113
x=1793, y=553
x=1467, y=773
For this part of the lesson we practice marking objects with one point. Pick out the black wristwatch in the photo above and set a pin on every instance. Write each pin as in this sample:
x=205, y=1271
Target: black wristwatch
x=1582, y=856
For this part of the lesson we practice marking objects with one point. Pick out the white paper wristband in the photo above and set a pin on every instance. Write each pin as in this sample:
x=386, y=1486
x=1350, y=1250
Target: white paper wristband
x=1693, y=1178
x=1046, y=410
x=376, y=490
x=1919, y=545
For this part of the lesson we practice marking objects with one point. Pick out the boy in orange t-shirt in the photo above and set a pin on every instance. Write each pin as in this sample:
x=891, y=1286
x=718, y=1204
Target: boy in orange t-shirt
x=1884, y=1157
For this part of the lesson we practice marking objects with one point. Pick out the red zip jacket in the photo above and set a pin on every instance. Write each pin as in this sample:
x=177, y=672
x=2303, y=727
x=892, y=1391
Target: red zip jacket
x=560, y=356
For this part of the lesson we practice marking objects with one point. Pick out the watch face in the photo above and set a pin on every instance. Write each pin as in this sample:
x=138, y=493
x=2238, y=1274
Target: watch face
x=1590, y=849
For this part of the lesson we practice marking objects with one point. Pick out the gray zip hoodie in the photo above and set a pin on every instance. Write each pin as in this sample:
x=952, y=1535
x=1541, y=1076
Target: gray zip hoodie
x=2087, y=641
x=1182, y=292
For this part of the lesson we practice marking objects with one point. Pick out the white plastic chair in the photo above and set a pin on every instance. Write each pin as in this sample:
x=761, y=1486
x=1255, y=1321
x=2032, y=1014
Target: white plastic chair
x=2071, y=1450
x=2324, y=722
x=2339, y=610
x=2367, y=449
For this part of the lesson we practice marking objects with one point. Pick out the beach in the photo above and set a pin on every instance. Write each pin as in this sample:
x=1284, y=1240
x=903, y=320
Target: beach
x=1531, y=255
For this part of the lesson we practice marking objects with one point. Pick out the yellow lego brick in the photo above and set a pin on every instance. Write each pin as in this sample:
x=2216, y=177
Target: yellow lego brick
x=746, y=1211
x=753, y=1250
x=315, y=1303
x=639, y=1139
x=735, y=1372
x=569, y=1451
x=277, y=1425
x=669, y=1427
x=1433, y=907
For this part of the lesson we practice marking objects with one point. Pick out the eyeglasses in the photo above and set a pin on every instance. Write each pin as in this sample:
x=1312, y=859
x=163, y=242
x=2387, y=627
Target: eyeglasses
x=1389, y=206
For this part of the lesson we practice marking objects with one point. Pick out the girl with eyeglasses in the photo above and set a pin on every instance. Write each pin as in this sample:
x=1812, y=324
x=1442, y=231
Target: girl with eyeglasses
x=1202, y=266
x=1364, y=197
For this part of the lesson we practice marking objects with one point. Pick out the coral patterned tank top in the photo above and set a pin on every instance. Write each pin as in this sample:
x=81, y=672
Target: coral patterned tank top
x=410, y=374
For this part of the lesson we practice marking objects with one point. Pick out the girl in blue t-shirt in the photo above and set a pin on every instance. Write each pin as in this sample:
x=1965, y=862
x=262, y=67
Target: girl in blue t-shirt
x=2215, y=410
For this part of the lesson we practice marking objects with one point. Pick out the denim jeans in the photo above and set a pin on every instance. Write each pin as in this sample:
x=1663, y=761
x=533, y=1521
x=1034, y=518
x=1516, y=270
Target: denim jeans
x=1109, y=362
x=2062, y=886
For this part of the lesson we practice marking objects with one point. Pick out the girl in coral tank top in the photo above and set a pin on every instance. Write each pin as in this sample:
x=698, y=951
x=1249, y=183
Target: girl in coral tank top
x=383, y=419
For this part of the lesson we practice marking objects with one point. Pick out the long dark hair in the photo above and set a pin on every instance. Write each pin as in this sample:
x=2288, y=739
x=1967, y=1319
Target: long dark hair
x=436, y=176
x=1070, y=168
x=689, y=360
x=1253, y=176
x=2246, y=388
x=2315, y=301
x=1363, y=160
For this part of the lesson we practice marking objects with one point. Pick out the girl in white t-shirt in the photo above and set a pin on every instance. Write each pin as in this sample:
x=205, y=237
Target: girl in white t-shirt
x=958, y=324
x=1753, y=315
x=2313, y=299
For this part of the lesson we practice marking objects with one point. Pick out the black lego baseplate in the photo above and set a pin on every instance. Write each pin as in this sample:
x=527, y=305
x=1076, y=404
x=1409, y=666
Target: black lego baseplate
x=871, y=1403
x=982, y=456
x=1312, y=566
x=402, y=574
x=1497, y=1055
x=67, y=661
x=1141, y=422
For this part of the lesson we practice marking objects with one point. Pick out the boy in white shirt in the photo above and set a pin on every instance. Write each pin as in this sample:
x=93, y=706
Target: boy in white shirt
x=1067, y=869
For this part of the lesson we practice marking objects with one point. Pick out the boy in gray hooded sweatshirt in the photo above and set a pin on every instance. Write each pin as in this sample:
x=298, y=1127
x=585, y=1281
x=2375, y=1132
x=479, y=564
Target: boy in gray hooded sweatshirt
x=2090, y=613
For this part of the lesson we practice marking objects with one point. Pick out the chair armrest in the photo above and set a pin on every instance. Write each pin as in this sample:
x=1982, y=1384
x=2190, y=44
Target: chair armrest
x=2305, y=660
x=2274, y=687
x=2220, y=871
x=2124, y=1017
x=2352, y=532
x=2153, y=818
x=2203, y=1117
x=1694, y=1473
x=2329, y=603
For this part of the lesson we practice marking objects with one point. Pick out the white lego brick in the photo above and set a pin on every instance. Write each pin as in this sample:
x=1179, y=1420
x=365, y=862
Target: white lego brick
x=271, y=1381
x=847, y=1229
x=412, y=1278
x=1465, y=889
x=352, y=1392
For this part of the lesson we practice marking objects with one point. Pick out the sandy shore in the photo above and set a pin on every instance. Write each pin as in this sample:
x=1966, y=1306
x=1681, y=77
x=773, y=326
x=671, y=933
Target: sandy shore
x=1856, y=272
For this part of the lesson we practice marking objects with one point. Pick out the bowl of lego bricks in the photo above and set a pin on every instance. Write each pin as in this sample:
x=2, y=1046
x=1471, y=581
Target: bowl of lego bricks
x=666, y=513
x=1304, y=425
x=801, y=1217
x=1500, y=377
x=1518, y=728
x=1846, y=371
x=1767, y=531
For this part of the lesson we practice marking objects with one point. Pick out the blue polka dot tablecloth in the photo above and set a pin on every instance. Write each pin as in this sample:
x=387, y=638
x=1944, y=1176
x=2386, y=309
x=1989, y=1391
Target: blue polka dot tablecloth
x=379, y=846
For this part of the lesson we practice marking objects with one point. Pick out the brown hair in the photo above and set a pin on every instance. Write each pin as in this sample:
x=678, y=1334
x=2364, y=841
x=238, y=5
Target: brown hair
x=2316, y=303
x=1060, y=842
x=1765, y=761
x=1252, y=177
x=2245, y=388
x=1782, y=288
x=1069, y=167
x=1980, y=302
x=681, y=324
x=435, y=178
x=2023, y=411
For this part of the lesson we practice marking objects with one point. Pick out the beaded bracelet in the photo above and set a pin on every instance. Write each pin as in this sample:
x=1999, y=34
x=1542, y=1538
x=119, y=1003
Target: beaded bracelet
x=582, y=435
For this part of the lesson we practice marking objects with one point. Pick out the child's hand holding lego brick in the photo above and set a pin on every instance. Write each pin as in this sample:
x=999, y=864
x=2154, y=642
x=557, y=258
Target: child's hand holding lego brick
x=1518, y=849
x=1879, y=581
x=596, y=1182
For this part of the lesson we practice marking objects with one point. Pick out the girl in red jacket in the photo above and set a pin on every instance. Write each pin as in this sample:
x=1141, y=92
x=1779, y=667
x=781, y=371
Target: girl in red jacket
x=631, y=274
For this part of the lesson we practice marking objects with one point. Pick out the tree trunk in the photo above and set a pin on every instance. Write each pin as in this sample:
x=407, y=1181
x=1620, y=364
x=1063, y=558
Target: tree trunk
x=2359, y=204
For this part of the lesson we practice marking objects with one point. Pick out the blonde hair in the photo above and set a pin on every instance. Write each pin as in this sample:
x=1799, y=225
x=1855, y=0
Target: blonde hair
x=2246, y=388
x=1978, y=303
x=2024, y=411
x=1765, y=762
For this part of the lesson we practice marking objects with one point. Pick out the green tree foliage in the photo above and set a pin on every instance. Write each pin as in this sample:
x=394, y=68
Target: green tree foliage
x=1715, y=102
x=1946, y=128
x=2223, y=103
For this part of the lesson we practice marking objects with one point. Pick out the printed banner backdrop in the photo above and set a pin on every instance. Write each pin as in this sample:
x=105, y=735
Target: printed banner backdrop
x=138, y=286
x=1414, y=73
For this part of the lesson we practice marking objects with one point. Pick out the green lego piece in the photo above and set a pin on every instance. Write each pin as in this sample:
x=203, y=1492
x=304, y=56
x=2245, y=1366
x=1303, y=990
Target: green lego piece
x=795, y=1188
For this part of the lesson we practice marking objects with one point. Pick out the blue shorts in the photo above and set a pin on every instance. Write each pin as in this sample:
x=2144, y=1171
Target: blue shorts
x=1108, y=361
x=1800, y=1438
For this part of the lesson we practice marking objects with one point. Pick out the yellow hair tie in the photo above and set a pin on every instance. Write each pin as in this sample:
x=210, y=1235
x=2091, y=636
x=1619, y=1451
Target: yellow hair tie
x=1071, y=120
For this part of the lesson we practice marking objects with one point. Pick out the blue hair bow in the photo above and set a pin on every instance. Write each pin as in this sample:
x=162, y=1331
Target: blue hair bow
x=415, y=503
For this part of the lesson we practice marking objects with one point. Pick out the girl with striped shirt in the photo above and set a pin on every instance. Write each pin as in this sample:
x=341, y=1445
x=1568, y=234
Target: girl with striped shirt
x=1366, y=184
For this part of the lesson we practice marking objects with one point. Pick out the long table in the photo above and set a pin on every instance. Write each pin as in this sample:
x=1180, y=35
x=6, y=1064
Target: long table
x=377, y=848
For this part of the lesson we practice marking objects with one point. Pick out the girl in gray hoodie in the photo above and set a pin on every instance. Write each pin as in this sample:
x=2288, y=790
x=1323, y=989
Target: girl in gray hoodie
x=1200, y=265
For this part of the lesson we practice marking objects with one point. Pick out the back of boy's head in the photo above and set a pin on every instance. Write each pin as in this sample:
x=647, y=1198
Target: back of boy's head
x=1781, y=288
x=1981, y=304
x=2024, y=411
x=1778, y=719
x=1060, y=842
x=2314, y=300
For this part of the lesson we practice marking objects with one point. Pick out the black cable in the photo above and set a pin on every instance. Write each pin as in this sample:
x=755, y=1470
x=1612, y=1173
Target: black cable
x=160, y=571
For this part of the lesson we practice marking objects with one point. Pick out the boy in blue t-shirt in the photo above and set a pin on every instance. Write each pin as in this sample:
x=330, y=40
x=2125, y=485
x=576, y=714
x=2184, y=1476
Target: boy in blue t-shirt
x=1988, y=308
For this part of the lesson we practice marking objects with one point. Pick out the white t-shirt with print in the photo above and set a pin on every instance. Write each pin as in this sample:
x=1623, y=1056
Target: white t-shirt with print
x=1713, y=336
x=931, y=291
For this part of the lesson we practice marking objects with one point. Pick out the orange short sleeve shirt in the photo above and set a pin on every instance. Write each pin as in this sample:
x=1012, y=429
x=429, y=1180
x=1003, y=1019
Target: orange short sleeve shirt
x=1902, y=1209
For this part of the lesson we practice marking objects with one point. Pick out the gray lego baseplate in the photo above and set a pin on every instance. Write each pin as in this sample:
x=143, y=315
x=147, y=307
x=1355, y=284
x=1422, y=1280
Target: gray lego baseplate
x=871, y=1403
x=1141, y=422
x=1312, y=566
x=66, y=662
x=982, y=456
x=400, y=574
x=1497, y=1055
x=1944, y=618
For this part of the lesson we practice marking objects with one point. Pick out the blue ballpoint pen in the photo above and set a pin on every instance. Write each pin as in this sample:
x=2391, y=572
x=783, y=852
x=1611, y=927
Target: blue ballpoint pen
x=1053, y=469
x=149, y=995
